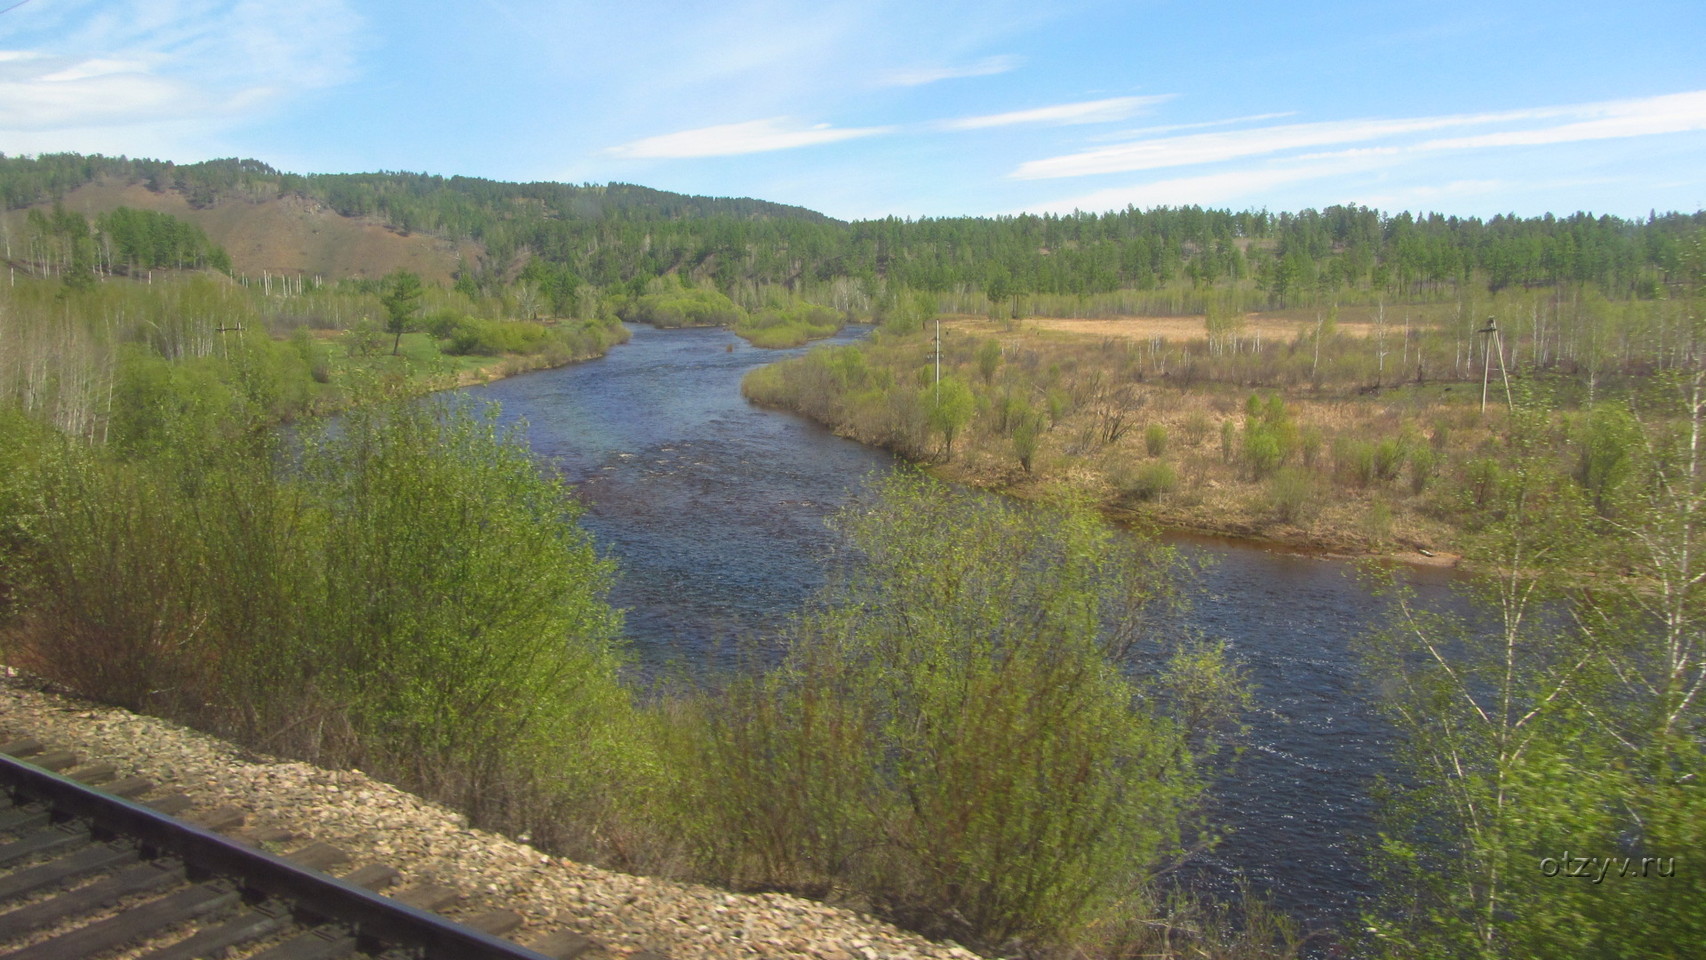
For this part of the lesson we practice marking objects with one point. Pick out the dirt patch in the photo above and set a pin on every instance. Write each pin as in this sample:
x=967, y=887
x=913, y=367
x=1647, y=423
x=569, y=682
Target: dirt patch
x=283, y=235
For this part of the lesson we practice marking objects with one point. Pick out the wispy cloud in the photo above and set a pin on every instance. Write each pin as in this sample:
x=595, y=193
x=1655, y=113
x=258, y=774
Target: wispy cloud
x=1602, y=120
x=1175, y=127
x=1675, y=113
x=125, y=65
x=1230, y=145
x=1087, y=111
x=731, y=139
x=918, y=76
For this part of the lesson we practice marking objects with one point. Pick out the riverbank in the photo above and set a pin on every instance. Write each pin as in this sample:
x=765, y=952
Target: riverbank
x=1247, y=530
x=1108, y=412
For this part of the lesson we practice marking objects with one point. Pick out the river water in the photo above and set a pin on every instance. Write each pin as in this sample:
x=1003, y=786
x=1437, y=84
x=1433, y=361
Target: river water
x=715, y=511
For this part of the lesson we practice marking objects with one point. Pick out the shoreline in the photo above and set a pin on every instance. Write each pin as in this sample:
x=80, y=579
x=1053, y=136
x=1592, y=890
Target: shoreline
x=1305, y=543
x=1243, y=532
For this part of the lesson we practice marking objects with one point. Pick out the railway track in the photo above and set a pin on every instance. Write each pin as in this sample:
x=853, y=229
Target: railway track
x=95, y=865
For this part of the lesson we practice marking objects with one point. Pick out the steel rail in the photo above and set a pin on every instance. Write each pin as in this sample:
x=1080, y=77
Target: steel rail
x=371, y=917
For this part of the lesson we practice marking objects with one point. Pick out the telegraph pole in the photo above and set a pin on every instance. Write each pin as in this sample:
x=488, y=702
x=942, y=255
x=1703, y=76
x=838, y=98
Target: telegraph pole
x=1491, y=331
x=938, y=358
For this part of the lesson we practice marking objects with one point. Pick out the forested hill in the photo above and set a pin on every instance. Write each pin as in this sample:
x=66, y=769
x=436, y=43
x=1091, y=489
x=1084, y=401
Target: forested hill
x=621, y=235
x=456, y=206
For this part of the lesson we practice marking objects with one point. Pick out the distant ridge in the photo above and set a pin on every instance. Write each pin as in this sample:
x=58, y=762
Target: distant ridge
x=616, y=239
x=360, y=224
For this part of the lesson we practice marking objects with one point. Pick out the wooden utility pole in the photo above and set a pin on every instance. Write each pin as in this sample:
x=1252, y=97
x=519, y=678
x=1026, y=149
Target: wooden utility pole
x=1491, y=331
x=938, y=358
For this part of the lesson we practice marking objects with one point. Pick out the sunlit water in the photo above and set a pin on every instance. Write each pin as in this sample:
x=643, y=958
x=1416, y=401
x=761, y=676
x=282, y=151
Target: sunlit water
x=715, y=510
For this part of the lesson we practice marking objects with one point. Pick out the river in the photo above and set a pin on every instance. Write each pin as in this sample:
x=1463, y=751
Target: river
x=715, y=511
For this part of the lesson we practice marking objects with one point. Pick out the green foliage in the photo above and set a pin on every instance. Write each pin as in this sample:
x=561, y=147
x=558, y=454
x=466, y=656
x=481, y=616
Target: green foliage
x=1196, y=428
x=1027, y=435
x=456, y=570
x=684, y=308
x=1146, y=481
x=951, y=407
x=402, y=300
x=988, y=360
x=143, y=240
x=1543, y=735
x=1355, y=460
x=1155, y=439
x=1221, y=261
x=789, y=325
x=412, y=596
x=1270, y=434
x=492, y=338
x=1293, y=496
x=953, y=734
x=1609, y=444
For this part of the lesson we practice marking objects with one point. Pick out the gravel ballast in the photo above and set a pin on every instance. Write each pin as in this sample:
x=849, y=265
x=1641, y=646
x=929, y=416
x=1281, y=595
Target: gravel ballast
x=376, y=822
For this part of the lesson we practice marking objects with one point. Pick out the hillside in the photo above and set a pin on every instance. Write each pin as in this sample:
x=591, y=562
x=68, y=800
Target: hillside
x=288, y=234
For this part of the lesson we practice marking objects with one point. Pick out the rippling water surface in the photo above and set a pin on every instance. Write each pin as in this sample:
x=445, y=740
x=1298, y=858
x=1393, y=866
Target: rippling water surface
x=715, y=510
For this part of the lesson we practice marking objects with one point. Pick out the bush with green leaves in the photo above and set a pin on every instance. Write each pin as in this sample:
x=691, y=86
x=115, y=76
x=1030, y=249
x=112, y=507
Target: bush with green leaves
x=956, y=733
x=1547, y=801
x=1145, y=481
x=789, y=324
x=684, y=307
x=403, y=590
x=1293, y=496
x=1155, y=439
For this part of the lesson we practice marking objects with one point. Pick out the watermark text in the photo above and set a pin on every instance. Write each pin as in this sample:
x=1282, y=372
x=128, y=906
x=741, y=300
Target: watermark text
x=1597, y=869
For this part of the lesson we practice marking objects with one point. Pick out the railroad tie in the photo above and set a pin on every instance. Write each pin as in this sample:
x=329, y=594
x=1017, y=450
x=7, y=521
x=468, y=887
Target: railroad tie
x=81, y=823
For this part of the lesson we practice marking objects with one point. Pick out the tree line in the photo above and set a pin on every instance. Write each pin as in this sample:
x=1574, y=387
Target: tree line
x=123, y=241
x=618, y=234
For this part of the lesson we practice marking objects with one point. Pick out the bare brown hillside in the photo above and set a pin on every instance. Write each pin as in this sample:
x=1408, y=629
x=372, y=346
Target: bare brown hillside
x=289, y=235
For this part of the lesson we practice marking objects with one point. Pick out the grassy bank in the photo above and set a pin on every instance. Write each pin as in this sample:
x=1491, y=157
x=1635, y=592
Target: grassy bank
x=778, y=321
x=1311, y=431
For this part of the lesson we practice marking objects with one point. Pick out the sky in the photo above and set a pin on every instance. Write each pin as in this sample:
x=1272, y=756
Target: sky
x=914, y=109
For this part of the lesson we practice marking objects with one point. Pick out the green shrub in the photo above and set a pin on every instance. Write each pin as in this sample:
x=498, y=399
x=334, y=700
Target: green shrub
x=1262, y=453
x=412, y=596
x=1155, y=439
x=988, y=360
x=1146, y=481
x=1196, y=428
x=1027, y=434
x=1389, y=457
x=952, y=735
x=463, y=628
x=1355, y=460
x=789, y=325
x=1292, y=495
x=684, y=308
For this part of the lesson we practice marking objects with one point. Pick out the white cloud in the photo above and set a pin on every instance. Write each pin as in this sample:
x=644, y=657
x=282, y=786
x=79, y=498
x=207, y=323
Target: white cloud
x=1088, y=111
x=1603, y=120
x=1173, y=128
x=918, y=76
x=730, y=139
x=1230, y=145
x=133, y=65
x=1675, y=113
x=56, y=93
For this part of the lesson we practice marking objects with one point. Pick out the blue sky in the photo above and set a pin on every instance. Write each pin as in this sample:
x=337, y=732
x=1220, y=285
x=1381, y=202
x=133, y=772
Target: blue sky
x=912, y=109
